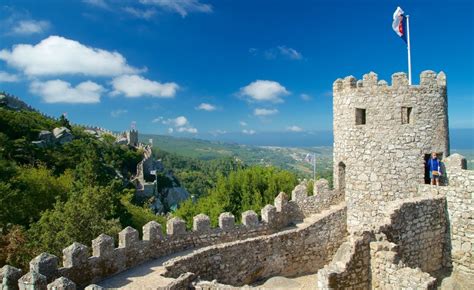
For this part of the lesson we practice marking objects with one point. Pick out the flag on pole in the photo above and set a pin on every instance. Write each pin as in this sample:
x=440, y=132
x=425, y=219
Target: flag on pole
x=399, y=23
x=309, y=158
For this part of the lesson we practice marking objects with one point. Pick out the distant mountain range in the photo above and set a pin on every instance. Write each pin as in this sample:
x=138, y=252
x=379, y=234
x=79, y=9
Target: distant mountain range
x=460, y=138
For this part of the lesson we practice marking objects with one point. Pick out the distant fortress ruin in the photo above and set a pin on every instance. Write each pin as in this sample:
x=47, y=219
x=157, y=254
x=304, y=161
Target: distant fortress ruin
x=381, y=227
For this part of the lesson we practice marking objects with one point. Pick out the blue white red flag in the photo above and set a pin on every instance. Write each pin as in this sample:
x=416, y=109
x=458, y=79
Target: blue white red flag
x=399, y=24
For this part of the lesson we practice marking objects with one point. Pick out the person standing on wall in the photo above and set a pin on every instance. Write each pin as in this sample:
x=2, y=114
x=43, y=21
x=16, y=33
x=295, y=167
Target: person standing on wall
x=434, y=165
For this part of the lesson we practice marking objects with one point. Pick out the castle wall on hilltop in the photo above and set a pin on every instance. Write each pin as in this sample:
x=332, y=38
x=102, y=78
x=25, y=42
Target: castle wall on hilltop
x=293, y=252
x=381, y=136
x=380, y=228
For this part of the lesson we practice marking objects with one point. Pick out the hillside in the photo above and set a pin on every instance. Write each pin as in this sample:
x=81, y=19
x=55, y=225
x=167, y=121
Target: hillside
x=62, y=183
x=289, y=158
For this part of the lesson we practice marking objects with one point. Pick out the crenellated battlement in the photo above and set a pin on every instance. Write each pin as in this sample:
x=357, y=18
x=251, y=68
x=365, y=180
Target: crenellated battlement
x=85, y=265
x=428, y=79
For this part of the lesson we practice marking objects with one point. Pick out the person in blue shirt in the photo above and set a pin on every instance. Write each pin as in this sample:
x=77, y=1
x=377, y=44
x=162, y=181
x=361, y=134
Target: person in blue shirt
x=434, y=165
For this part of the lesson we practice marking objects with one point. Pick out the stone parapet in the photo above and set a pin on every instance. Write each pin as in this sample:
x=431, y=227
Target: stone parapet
x=83, y=269
x=323, y=197
x=387, y=270
x=291, y=252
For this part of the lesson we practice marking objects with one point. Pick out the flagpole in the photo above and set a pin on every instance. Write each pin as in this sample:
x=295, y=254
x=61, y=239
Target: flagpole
x=409, y=50
x=314, y=167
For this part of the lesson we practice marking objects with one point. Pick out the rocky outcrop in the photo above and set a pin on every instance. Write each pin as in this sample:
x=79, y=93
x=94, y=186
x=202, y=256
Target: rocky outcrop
x=60, y=135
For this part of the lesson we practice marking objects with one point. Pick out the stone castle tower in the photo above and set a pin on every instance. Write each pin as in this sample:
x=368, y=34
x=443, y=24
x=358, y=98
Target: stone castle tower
x=132, y=137
x=382, y=137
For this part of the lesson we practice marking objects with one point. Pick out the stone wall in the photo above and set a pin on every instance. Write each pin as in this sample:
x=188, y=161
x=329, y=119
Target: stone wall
x=387, y=270
x=83, y=269
x=418, y=227
x=460, y=200
x=350, y=267
x=322, y=197
x=293, y=252
x=383, y=160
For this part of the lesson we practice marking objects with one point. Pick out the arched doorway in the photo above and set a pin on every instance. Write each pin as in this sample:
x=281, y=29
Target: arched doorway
x=341, y=176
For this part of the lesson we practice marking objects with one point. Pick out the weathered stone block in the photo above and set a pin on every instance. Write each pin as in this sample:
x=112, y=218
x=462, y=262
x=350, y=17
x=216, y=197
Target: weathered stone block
x=201, y=223
x=428, y=78
x=399, y=79
x=455, y=161
x=337, y=85
x=62, y=283
x=370, y=79
x=269, y=213
x=9, y=277
x=226, y=221
x=75, y=255
x=441, y=79
x=320, y=186
x=299, y=192
x=249, y=218
x=103, y=246
x=152, y=232
x=349, y=82
x=128, y=237
x=32, y=280
x=281, y=201
x=45, y=264
x=175, y=227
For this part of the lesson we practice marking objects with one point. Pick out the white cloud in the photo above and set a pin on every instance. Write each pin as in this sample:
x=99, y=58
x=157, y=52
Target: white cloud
x=253, y=51
x=206, y=107
x=58, y=91
x=180, y=124
x=187, y=130
x=265, y=112
x=289, y=52
x=294, y=128
x=140, y=13
x=248, y=132
x=28, y=27
x=264, y=91
x=182, y=7
x=98, y=3
x=281, y=52
x=8, y=78
x=133, y=86
x=57, y=55
x=117, y=113
x=243, y=124
x=176, y=122
x=306, y=97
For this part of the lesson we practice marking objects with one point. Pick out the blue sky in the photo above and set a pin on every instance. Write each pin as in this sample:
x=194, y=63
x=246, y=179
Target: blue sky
x=200, y=67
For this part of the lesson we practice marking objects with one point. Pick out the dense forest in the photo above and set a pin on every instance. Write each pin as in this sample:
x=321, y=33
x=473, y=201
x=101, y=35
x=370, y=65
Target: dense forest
x=61, y=193
x=54, y=195
x=197, y=175
x=244, y=189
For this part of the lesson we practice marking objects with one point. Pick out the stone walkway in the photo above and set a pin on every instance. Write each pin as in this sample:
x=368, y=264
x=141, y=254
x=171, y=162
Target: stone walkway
x=149, y=274
x=145, y=276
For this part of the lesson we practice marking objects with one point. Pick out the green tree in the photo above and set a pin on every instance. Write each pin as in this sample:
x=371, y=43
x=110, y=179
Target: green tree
x=89, y=211
x=64, y=122
x=244, y=189
x=31, y=191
